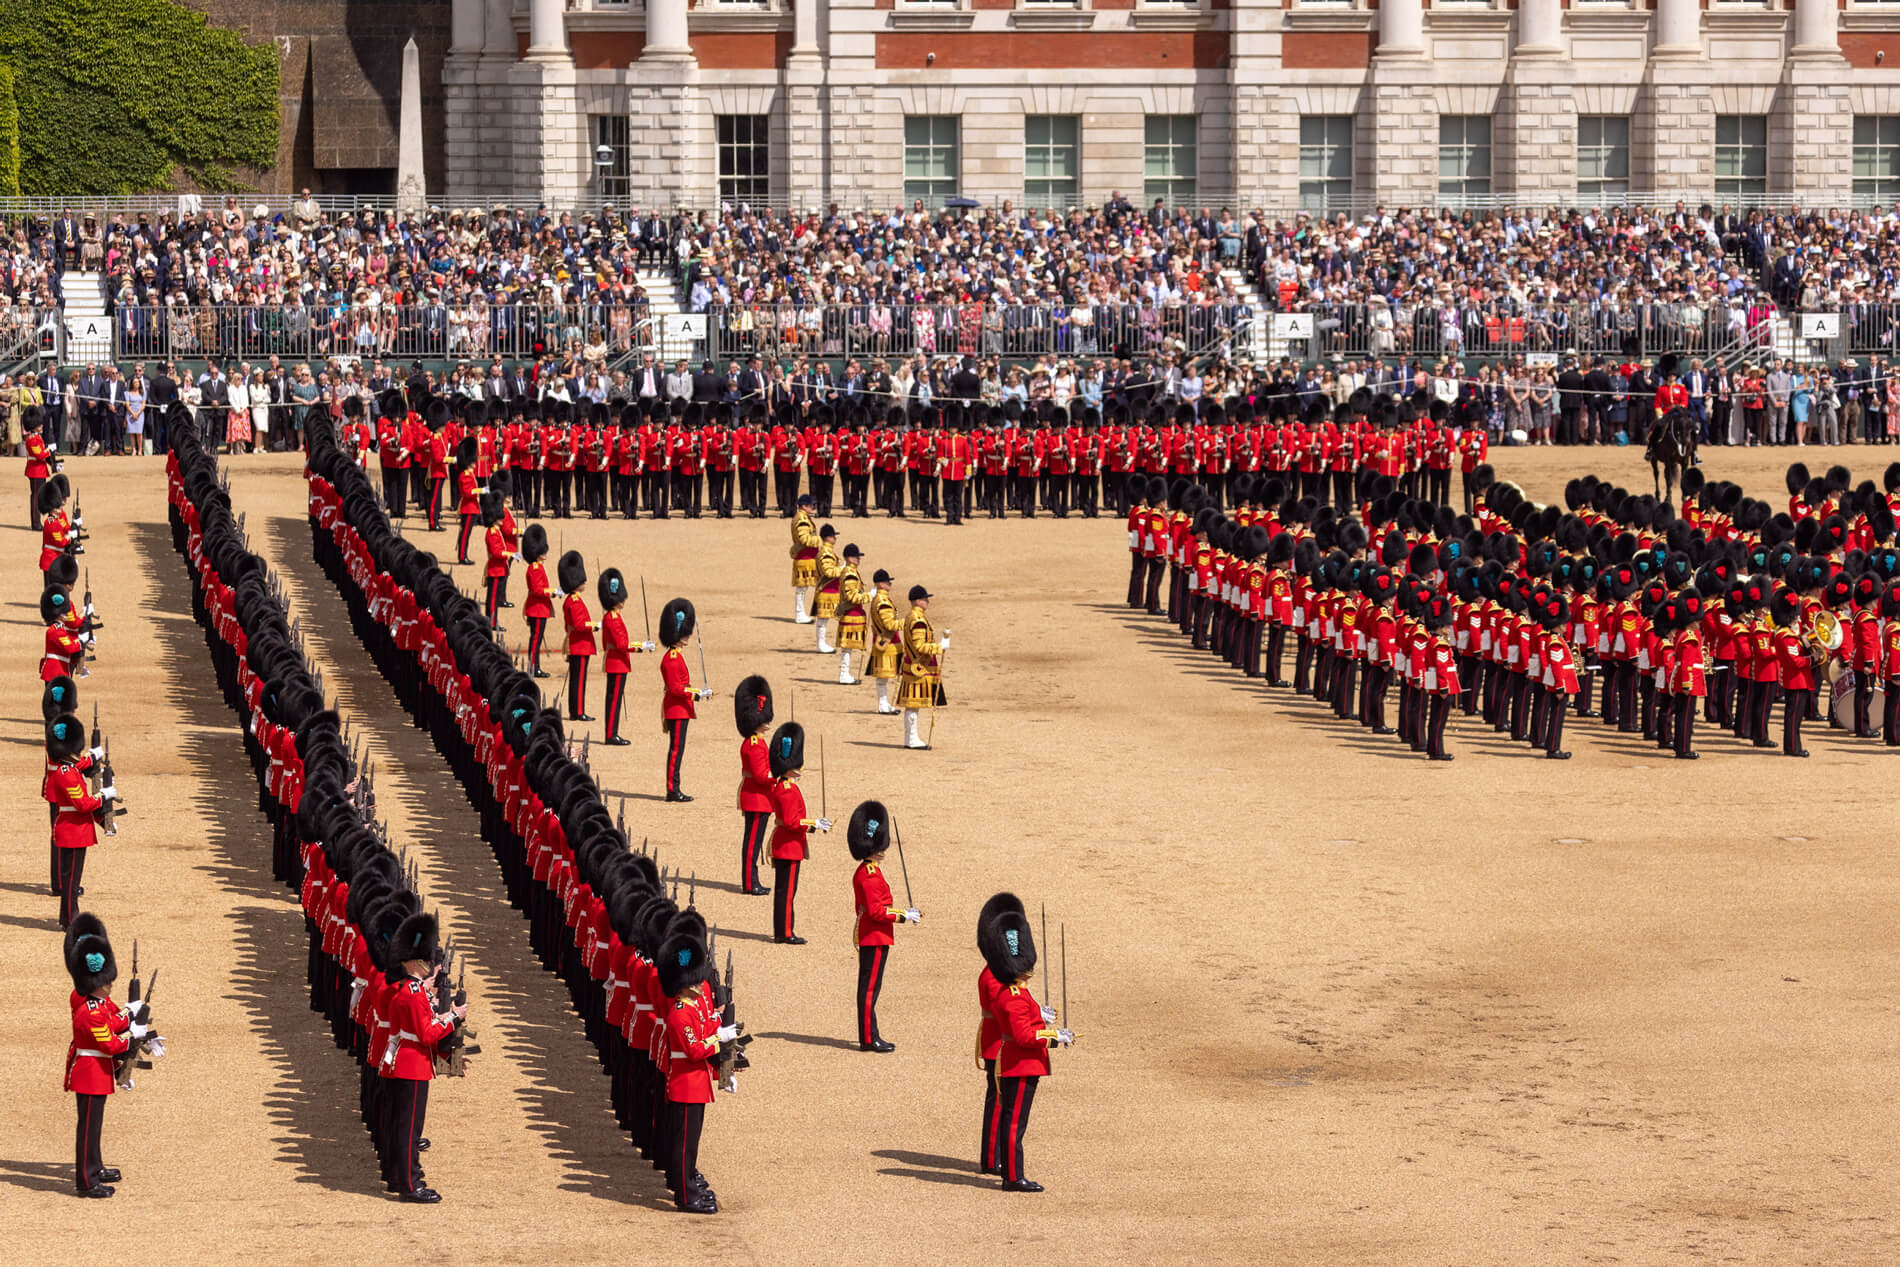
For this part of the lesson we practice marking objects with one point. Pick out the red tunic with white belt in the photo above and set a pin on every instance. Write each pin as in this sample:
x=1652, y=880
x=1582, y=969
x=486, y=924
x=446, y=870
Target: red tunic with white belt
x=99, y=1034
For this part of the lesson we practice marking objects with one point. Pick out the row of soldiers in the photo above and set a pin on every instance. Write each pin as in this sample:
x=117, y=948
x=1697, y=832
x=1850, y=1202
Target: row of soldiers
x=945, y=461
x=107, y=1040
x=1515, y=614
x=603, y=916
x=377, y=968
x=860, y=624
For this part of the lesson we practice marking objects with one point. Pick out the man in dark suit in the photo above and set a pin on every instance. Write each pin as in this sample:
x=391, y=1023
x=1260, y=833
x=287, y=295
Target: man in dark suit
x=66, y=241
x=1597, y=390
x=966, y=384
x=214, y=401
x=112, y=416
x=706, y=385
x=53, y=391
x=1572, y=408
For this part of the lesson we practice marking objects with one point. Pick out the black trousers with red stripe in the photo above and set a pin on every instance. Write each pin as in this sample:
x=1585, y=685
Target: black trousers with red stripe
x=785, y=871
x=751, y=842
x=89, y=1123
x=675, y=751
x=684, y=1123
x=986, y=1160
x=1014, y=1098
x=435, y=501
x=493, y=602
x=405, y=1107
x=537, y=632
x=577, y=685
x=616, y=695
x=72, y=868
x=461, y=538
x=871, y=961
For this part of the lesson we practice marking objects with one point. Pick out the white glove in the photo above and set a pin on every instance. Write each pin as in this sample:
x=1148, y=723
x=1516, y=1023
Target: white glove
x=1048, y=1015
x=823, y=824
x=556, y=595
x=1065, y=1037
x=705, y=692
x=98, y=754
x=727, y=1033
x=138, y=1012
x=140, y=1030
x=913, y=915
x=649, y=646
x=108, y=793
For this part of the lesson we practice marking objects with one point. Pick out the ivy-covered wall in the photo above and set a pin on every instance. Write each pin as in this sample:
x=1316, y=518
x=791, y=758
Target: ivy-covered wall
x=9, y=136
x=122, y=96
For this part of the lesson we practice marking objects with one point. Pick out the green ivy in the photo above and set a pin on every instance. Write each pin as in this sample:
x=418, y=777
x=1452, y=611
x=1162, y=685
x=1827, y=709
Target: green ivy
x=9, y=136
x=121, y=96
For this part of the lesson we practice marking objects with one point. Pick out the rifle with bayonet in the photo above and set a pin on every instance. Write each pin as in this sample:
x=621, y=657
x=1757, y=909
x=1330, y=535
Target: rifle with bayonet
x=732, y=1057
x=104, y=786
x=85, y=607
x=139, y=1052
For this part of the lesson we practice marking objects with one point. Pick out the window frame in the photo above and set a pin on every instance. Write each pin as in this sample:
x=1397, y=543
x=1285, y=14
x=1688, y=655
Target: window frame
x=1050, y=148
x=615, y=183
x=1884, y=190
x=1605, y=185
x=758, y=143
x=1742, y=186
x=1463, y=187
x=1318, y=192
x=915, y=187
x=1180, y=191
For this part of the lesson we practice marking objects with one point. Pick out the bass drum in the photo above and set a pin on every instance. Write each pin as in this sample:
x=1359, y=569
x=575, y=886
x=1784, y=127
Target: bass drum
x=1845, y=689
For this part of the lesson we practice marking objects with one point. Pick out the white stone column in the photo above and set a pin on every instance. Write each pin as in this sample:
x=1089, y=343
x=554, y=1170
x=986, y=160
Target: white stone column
x=1816, y=29
x=498, y=33
x=666, y=30
x=1540, y=27
x=1401, y=28
x=804, y=28
x=547, y=31
x=1678, y=28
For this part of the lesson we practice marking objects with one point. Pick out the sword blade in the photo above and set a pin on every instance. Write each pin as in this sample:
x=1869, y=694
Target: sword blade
x=1062, y=931
x=901, y=865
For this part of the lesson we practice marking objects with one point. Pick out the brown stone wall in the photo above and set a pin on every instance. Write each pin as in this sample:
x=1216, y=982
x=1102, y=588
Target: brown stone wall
x=340, y=63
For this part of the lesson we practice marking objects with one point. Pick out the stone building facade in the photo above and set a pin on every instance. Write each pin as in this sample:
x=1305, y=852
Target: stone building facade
x=1256, y=103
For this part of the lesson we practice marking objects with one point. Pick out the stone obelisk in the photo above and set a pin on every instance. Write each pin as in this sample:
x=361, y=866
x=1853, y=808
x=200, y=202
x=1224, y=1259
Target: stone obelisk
x=411, y=192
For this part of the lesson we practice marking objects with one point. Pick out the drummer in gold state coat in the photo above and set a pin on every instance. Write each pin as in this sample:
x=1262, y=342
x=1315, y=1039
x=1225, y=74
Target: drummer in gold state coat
x=830, y=573
x=882, y=626
x=852, y=601
x=805, y=550
x=922, y=665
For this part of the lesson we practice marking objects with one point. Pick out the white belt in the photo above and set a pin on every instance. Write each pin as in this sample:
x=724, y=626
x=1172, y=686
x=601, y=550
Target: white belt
x=92, y=1051
x=616, y=982
x=62, y=659
x=643, y=1007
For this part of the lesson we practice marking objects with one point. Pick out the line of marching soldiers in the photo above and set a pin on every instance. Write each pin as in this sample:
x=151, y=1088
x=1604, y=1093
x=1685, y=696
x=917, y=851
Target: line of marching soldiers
x=377, y=969
x=638, y=966
x=947, y=460
x=107, y=1040
x=1518, y=613
x=860, y=623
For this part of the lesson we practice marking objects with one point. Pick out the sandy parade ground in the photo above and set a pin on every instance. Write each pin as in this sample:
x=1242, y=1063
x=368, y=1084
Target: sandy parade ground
x=1336, y=1004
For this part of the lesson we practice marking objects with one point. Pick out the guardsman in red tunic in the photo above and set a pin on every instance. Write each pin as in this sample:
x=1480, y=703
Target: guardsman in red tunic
x=752, y=714
x=75, y=808
x=1688, y=672
x=1557, y=676
x=1889, y=663
x=434, y=457
x=1862, y=650
x=868, y=835
x=571, y=573
x=468, y=495
x=1026, y=1029
x=1796, y=669
x=65, y=652
x=1440, y=682
x=408, y=1064
x=785, y=755
x=989, y=1039
x=677, y=621
x=538, y=607
x=57, y=535
x=617, y=648
x=692, y=1036
x=101, y=1032
x=499, y=556
x=39, y=460
x=393, y=455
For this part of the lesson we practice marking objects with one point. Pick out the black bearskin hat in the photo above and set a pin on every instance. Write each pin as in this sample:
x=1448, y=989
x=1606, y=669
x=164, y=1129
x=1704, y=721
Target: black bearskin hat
x=55, y=602
x=1009, y=948
x=491, y=508
x=60, y=696
x=752, y=705
x=416, y=939
x=50, y=498
x=65, y=737
x=997, y=904
x=63, y=570
x=676, y=622
x=869, y=831
x=683, y=962
x=571, y=572
x=534, y=543
x=612, y=589
x=89, y=954
x=788, y=749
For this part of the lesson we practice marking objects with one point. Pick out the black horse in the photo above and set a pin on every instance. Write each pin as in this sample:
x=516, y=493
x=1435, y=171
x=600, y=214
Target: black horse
x=1672, y=444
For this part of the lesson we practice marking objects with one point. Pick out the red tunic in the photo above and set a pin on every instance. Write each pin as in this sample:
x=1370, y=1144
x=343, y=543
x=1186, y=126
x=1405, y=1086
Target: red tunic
x=540, y=603
x=416, y=1030
x=755, y=776
x=873, y=893
x=788, y=833
x=1688, y=674
x=613, y=633
x=499, y=556
x=1797, y=670
x=580, y=625
x=677, y=679
x=989, y=1037
x=63, y=650
x=65, y=789
x=691, y=1045
x=1025, y=1043
x=99, y=1033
